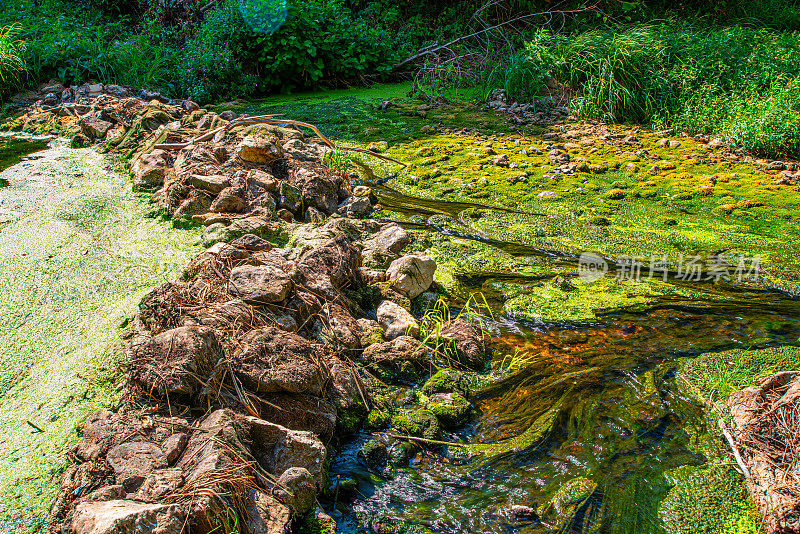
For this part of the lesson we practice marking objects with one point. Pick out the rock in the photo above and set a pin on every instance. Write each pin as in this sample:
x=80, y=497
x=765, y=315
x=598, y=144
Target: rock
x=355, y=207
x=663, y=143
x=148, y=96
x=127, y=517
x=274, y=447
x=422, y=423
x=270, y=360
x=501, y=160
x=228, y=201
x=412, y=274
x=296, y=487
x=313, y=215
x=173, y=446
x=214, y=184
x=375, y=454
x=252, y=242
x=262, y=180
x=159, y=484
x=525, y=513
x=391, y=238
x=262, y=284
x=53, y=86
x=259, y=149
x=337, y=259
x=776, y=166
x=118, y=91
x=396, y=321
x=106, y=493
x=195, y=204
x=674, y=143
x=558, y=157
x=133, y=461
x=448, y=381
x=467, y=340
x=148, y=170
x=547, y=194
x=267, y=515
x=402, y=359
x=50, y=99
x=319, y=190
x=451, y=409
x=190, y=106
x=290, y=198
x=341, y=329
x=175, y=362
x=297, y=149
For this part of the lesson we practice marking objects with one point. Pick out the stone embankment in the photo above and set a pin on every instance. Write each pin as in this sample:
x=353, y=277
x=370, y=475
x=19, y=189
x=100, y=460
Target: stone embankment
x=294, y=328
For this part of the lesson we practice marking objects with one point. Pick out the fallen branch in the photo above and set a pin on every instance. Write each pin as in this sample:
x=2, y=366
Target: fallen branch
x=423, y=440
x=38, y=429
x=371, y=153
x=734, y=448
x=433, y=50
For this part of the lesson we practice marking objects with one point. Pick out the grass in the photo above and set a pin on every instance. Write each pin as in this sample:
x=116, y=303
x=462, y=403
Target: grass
x=12, y=66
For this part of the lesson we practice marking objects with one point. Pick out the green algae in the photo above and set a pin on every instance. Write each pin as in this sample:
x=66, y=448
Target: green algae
x=77, y=254
x=13, y=150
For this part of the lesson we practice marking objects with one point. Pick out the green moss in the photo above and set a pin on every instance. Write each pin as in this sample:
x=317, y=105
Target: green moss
x=377, y=420
x=451, y=409
x=448, y=381
x=422, y=423
x=317, y=522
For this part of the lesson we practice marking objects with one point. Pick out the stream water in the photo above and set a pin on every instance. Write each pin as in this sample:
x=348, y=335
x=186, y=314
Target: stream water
x=584, y=423
x=619, y=418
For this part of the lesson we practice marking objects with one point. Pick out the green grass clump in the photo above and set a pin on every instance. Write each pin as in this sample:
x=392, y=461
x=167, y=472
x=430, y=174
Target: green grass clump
x=740, y=81
x=12, y=65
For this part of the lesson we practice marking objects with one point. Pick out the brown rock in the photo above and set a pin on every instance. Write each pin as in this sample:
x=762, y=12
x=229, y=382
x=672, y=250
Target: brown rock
x=133, y=461
x=262, y=284
x=228, y=201
x=94, y=127
x=214, y=184
x=159, y=483
x=402, y=358
x=127, y=517
x=259, y=149
x=175, y=361
x=337, y=259
x=148, y=171
x=271, y=360
x=468, y=343
x=173, y=446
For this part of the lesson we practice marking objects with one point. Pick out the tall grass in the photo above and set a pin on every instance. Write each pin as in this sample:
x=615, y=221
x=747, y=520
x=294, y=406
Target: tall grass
x=12, y=65
x=741, y=81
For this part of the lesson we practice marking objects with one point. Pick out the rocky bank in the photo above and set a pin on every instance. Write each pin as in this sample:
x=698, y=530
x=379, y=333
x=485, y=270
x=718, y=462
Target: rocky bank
x=292, y=330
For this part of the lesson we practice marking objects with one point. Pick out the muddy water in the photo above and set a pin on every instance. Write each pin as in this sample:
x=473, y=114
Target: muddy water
x=77, y=252
x=616, y=416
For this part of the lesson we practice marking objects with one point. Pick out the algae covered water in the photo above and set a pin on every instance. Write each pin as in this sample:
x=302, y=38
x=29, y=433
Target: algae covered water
x=76, y=254
x=591, y=425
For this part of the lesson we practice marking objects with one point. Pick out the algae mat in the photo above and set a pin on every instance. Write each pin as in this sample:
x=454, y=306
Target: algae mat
x=77, y=253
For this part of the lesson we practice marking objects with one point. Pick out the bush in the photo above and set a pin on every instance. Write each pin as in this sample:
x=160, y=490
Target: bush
x=310, y=42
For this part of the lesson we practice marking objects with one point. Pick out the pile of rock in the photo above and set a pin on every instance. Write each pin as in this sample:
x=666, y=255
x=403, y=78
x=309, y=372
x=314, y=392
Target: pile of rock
x=546, y=110
x=241, y=373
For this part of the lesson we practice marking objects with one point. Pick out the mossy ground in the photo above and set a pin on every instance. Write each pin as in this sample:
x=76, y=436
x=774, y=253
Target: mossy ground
x=77, y=254
x=711, y=498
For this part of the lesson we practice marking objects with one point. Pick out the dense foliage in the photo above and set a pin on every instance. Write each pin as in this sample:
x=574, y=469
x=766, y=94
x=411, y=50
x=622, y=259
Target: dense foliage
x=741, y=81
x=733, y=69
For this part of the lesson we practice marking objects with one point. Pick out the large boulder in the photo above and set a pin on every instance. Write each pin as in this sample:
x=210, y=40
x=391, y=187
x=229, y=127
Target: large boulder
x=262, y=284
x=467, y=340
x=94, y=127
x=228, y=201
x=400, y=360
x=176, y=361
x=127, y=517
x=134, y=461
x=337, y=259
x=270, y=360
x=297, y=149
x=213, y=184
x=259, y=149
x=396, y=321
x=148, y=170
x=319, y=190
x=411, y=274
